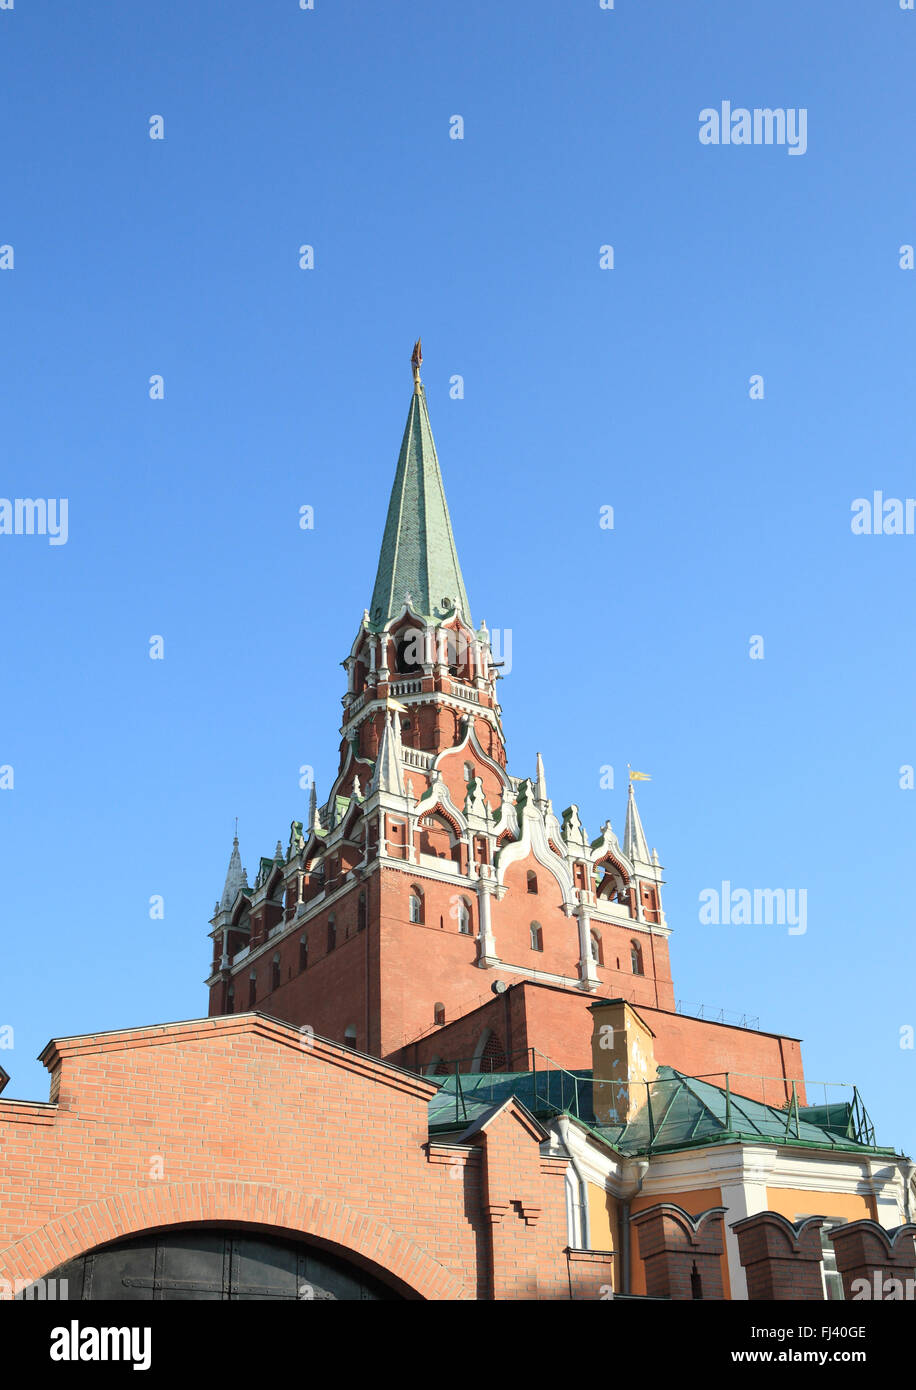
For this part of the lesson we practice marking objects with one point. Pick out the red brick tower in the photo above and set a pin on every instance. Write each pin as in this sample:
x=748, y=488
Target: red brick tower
x=431, y=879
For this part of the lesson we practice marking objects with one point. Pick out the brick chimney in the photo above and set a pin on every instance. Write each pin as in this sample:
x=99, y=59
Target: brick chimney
x=623, y=1059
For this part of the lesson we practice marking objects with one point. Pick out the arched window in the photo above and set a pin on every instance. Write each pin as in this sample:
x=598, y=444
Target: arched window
x=361, y=913
x=576, y=1211
x=252, y=989
x=532, y=881
x=416, y=904
x=636, y=958
x=595, y=939
x=303, y=952
x=275, y=972
x=230, y=1000
x=464, y=918
x=350, y=1036
x=454, y=650
x=468, y=772
x=537, y=937
x=438, y=837
x=332, y=933
x=438, y=1014
x=409, y=648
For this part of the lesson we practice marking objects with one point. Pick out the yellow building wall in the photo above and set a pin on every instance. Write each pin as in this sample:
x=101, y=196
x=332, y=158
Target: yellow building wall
x=602, y=1224
x=693, y=1203
x=792, y=1202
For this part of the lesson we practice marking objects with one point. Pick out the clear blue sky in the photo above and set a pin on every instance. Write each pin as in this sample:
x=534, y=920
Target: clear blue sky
x=583, y=388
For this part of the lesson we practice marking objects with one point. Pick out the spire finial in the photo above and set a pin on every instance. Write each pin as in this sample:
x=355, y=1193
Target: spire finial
x=416, y=361
x=634, y=839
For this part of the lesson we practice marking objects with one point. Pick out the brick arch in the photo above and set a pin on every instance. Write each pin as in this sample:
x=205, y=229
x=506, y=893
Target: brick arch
x=610, y=861
x=438, y=809
x=284, y=1211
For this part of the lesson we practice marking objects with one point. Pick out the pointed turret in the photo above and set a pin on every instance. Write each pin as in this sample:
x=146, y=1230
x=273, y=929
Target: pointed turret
x=236, y=878
x=634, y=840
x=313, y=809
x=540, y=788
x=387, y=776
x=418, y=555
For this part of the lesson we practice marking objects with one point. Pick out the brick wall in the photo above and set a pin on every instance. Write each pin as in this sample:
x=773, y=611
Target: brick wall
x=240, y=1120
x=557, y=1022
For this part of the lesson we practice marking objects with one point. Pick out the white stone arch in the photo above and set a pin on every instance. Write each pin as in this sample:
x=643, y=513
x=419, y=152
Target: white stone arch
x=437, y=798
x=470, y=741
x=533, y=841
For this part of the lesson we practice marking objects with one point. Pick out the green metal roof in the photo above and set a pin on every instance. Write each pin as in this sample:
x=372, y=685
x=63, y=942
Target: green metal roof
x=466, y=1098
x=679, y=1112
x=418, y=549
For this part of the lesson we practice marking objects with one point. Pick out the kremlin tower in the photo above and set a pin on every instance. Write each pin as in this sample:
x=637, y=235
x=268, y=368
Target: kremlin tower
x=442, y=1059
x=432, y=881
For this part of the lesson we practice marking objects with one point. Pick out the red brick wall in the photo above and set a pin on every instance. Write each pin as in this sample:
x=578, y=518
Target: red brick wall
x=387, y=980
x=335, y=990
x=236, y=1120
x=558, y=1024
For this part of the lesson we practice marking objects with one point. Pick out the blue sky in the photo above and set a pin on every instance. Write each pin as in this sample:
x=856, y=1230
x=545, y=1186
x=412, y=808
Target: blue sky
x=583, y=388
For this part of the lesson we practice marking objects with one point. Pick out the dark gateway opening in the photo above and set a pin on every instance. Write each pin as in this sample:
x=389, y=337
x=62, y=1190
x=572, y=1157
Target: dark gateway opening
x=208, y=1263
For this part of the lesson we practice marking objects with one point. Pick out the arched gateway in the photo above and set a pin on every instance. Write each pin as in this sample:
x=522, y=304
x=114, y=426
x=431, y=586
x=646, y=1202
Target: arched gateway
x=209, y=1263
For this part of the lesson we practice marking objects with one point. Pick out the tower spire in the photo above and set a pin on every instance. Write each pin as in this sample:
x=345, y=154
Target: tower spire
x=635, y=846
x=236, y=877
x=418, y=555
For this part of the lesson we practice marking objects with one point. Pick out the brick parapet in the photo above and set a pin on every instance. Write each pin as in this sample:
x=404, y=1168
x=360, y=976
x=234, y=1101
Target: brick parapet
x=682, y=1254
x=781, y=1258
x=865, y=1250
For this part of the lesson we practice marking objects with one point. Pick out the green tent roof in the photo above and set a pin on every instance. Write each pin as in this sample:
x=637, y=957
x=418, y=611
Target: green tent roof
x=680, y=1112
x=418, y=556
